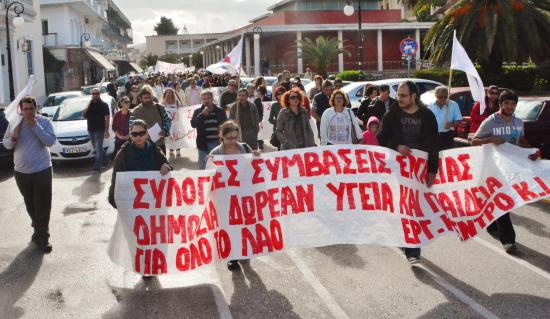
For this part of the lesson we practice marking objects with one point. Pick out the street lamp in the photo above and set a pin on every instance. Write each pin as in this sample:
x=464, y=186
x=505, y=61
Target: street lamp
x=348, y=11
x=18, y=9
x=257, y=35
x=203, y=59
x=190, y=60
x=84, y=41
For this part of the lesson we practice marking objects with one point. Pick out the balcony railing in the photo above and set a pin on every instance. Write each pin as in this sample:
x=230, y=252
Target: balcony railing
x=49, y=40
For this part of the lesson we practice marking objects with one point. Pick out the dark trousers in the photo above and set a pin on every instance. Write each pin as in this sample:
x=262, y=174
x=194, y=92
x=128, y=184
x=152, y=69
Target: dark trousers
x=37, y=192
x=503, y=229
x=412, y=252
x=445, y=140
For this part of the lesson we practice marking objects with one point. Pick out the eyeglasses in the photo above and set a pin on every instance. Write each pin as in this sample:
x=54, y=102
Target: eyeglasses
x=231, y=138
x=138, y=133
x=294, y=97
x=442, y=96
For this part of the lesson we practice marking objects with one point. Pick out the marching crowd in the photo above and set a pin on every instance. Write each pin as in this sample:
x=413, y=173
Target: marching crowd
x=231, y=127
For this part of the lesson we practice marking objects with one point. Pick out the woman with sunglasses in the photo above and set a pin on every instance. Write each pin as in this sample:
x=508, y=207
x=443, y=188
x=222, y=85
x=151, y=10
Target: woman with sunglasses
x=491, y=106
x=293, y=128
x=229, y=135
x=121, y=123
x=338, y=124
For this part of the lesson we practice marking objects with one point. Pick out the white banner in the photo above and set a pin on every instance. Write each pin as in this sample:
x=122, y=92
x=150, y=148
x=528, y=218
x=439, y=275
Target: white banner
x=248, y=206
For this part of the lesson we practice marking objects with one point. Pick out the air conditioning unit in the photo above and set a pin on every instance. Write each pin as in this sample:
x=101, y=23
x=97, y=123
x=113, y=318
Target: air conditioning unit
x=86, y=20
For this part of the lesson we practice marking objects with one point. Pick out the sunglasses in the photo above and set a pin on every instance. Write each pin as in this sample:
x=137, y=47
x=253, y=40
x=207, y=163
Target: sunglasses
x=138, y=133
x=294, y=97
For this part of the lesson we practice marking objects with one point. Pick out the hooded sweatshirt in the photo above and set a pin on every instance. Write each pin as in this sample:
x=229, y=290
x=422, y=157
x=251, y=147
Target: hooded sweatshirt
x=368, y=137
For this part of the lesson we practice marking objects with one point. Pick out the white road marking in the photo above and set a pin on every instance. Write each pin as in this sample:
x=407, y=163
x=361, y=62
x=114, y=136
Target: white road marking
x=464, y=298
x=219, y=295
x=520, y=261
x=321, y=291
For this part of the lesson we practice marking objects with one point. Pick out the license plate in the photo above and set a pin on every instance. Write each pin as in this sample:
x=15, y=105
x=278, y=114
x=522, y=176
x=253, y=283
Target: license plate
x=74, y=150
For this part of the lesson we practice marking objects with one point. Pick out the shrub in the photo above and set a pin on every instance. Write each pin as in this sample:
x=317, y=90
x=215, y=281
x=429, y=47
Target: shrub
x=352, y=76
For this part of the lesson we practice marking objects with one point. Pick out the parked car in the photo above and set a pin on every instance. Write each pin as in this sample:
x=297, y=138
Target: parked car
x=71, y=130
x=535, y=113
x=5, y=154
x=53, y=101
x=87, y=90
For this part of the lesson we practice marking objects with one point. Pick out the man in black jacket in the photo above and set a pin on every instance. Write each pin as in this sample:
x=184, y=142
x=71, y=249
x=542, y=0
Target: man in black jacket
x=407, y=125
x=364, y=112
x=206, y=120
x=380, y=105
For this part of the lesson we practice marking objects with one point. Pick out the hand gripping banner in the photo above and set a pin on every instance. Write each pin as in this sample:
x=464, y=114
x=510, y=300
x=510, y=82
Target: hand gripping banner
x=247, y=206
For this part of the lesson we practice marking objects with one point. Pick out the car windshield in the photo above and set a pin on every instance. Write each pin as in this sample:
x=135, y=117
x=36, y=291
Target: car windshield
x=528, y=109
x=56, y=100
x=71, y=111
x=88, y=90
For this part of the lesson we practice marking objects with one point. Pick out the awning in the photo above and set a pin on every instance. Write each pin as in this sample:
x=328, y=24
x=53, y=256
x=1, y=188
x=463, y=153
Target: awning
x=136, y=67
x=101, y=60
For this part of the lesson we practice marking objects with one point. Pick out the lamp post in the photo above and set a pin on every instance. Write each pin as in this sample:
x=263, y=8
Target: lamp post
x=348, y=11
x=84, y=41
x=18, y=9
x=257, y=35
x=203, y=60
x=190, y=60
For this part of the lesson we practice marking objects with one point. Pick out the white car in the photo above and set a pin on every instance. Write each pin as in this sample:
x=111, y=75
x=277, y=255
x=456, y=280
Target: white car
x=71, y=129
x=53, y=101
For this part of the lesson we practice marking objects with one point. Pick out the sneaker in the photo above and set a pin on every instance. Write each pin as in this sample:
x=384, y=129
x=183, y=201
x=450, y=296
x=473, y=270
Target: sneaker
x=413, y=260
x=510, y=248
x=233, y=265
x=46, y=247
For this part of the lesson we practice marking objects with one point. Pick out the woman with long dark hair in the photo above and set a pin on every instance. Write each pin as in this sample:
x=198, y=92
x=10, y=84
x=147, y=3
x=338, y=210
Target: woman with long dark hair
x=491, y=106
x=293, y=127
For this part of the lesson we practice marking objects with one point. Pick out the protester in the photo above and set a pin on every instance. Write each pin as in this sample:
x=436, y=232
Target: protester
x=273, y=113
x=152, y=114
x=275, y=85
x=180, y=94
x=30, y=140
x=410, y=125
x=229, y=135
x=251, y=91
x=245, y=114
x=369, y=135
x=134, y=96
x=321, y=102
x=261, y=93
x=159, y=88
x=499, y=128
x=230, y=95
x=363, y=111
x=285, y=80
x=170, y=99
x=112, y=89
x=97, y=117
x=380, y=105
x=338, y=124
x=308, y=75
x=317, y=88
x=121, y=123
x=193, y=93
x=293, y=128
x=447, y=113
x=206, y=120
x=491, y=106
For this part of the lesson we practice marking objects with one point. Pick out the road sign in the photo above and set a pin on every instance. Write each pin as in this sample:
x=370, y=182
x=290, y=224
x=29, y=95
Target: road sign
x=408, y=46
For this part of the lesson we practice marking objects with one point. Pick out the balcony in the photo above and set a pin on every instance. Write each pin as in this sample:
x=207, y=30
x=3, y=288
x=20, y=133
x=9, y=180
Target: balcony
x=89, y=8
x=49, y=40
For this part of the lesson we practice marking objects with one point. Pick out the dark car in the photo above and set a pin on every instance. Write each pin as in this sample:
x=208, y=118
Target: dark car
x=535, y=113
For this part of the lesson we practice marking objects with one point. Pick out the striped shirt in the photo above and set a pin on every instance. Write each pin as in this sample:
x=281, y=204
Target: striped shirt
x=211, y=127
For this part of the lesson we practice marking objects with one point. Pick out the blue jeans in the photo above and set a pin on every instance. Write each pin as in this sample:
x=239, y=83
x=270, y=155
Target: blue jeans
x=96, y=138
x=202, y=154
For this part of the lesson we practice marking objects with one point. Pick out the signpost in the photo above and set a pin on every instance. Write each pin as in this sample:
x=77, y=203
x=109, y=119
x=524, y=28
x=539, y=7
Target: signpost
x=408, y=48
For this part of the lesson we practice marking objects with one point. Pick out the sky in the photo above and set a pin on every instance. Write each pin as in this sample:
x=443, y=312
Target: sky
x=199, y=16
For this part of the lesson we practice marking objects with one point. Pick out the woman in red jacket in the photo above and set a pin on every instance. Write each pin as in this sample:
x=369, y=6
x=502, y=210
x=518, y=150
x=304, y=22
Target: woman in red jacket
x=491, y=103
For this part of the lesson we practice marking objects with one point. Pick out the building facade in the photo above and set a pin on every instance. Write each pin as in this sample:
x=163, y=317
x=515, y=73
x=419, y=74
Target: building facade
x=270, y=41
x=26, y=51
x=181, y=44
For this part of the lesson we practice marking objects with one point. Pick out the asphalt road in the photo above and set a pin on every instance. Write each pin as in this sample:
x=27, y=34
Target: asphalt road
x=456, y=280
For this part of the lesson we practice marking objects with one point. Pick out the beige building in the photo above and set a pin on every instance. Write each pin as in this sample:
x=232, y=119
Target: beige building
x=179, y=44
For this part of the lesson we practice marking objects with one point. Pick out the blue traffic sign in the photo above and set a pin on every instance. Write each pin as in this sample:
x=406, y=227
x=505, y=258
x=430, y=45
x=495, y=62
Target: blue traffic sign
x=408, y=46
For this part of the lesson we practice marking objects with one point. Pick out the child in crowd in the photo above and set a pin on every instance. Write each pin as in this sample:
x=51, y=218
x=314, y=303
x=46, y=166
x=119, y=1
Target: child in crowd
x=369, y=136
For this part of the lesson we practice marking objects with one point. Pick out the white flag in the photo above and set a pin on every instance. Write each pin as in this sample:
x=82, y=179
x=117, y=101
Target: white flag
x=231, y=63
x=13, y=114
x=461, y=61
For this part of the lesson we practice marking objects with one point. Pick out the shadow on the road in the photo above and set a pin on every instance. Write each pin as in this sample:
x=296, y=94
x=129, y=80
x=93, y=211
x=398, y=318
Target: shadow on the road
x=254, y=300
x=76, y=168
x=91, y=186
x=533, y=257
x=514, y=305
x=16, y=279
x=344, y=255
x=149, y=300
x=544, y=206
x=535, y=227
x=182, y=162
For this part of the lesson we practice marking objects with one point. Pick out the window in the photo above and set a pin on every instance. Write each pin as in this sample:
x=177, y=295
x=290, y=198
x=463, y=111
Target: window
x=45, y=30
x=28, y=57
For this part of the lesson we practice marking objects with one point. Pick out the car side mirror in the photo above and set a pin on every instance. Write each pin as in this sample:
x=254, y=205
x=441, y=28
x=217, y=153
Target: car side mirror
x=45, y=115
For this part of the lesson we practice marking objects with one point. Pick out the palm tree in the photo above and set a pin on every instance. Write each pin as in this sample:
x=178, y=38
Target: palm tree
x=492, y=32
x=148, y=60
x=320, y=53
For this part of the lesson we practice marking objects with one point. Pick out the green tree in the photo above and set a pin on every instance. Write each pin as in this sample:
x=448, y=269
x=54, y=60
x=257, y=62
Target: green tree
x=197, y=60
x=320, y=53
x=493, y=32
x=166, y=27
x=148, y=60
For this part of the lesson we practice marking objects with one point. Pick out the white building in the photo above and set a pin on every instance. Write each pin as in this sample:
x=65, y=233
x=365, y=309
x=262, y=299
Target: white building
x=66, y=25
x=26, y=51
